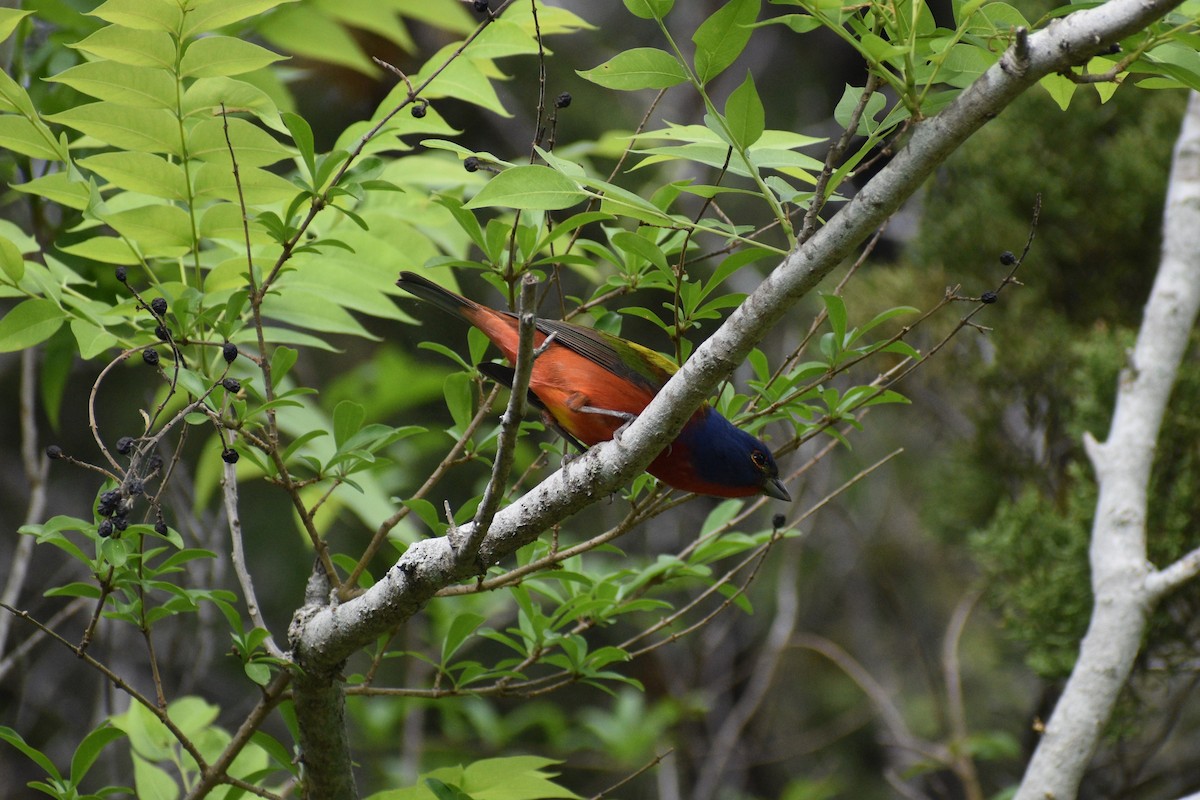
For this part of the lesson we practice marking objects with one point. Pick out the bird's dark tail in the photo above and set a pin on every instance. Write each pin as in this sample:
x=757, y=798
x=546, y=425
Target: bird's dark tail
x=430, y=292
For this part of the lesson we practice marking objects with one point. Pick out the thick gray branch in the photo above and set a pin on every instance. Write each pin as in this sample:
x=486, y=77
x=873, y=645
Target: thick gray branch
x=1123, y=583
x=324, y=635
x=328, y=635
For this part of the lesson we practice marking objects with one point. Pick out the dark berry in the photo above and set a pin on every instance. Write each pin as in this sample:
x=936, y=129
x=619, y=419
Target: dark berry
x=161, y=333
x=563, y=100
x=419, y=110
x=229, y=352
x=229, y=455
x=1007, y=258
x=155, y=463
x=150, y=356
x=54, y=451
x=777, y=521
x=471, y=164
x=160, y=528
x=124, y=445
x=159, y=305
x=122, y=274
x=988, y=297
x=232, y=385
x=110, y=498
x=120, y=523
x=105, y=528
x=135, y=487
x=481, y=5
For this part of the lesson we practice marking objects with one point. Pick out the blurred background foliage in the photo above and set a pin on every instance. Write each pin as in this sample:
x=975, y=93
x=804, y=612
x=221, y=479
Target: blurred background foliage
x=991, y=499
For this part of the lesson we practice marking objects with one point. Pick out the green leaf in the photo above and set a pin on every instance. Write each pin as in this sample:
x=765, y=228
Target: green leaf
x=146, y=15
x=92, y=339
x=157, y=229
x=721, y=38
x=1061, y=89
x=291, y=30
x=640, y=68
x=153, y=130
x=129, y=46
x=15, y=96
x=89, y=750
x=11, y=261
x=463, y=79
x=744, y=114
x=347, y=420
x=224, y=55
x=529, y=187
x=462, y=626
x=146, y=87
x=302, y=135
x=28, y=138
x=254, y=146
x=139, y=172
x=219, y=13
x=9, y=19
x=649, y=9
x=153, y=782
x=35, y=755
x=460, y=397
x=30, y=322
x=64, y=188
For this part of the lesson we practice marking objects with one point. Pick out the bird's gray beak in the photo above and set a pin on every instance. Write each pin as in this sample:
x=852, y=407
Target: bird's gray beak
x=774, y=488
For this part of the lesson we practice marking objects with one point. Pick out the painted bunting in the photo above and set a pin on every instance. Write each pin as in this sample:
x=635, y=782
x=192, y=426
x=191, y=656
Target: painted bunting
x=590, y=383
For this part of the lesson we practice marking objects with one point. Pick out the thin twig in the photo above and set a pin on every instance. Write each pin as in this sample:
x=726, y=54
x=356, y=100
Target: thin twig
x=510, y=422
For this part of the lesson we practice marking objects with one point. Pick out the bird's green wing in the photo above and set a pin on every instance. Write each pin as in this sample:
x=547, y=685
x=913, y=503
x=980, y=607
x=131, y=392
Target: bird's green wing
x=619, y=356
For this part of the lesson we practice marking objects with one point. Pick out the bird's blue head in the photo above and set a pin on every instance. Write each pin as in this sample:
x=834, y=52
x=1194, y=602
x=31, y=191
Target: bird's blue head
x=712, y=456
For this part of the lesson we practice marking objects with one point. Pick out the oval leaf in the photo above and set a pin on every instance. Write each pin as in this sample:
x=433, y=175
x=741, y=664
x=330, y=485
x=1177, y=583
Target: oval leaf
x=31, y=322
x=640, y=68
x=531, y=187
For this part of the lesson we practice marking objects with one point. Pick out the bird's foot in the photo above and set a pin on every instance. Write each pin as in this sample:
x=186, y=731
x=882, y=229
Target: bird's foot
x=608, y=412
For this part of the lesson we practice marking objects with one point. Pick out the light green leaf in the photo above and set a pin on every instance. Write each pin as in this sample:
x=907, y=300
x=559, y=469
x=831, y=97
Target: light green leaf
x=30, y=322
x=15, y=96
x=158, y=229
x=92, y=339
x=254, y=146
x=207, y=95
x=139, y=172
x=721, y=38
x=224, y=55
x=61, y=188
x=149, y=87
x=219, y=13
x=11, y=262
x=259, y=187
x=32, y=139
x=146, y=15
x=291, y=29
x=1061, y=89
x=529, y=187
x=105, y=249
x=10, y=18
x=501, y=38
x=312, y=311
x=640, y=68
x=649, y=9
x=153, y=782
x=348, y=419
x=129, y=46
x=744, y=113
x=153, y=130
x=463, y=79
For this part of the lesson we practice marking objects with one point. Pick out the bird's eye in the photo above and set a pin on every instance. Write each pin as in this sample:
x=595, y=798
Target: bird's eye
x=759, y=459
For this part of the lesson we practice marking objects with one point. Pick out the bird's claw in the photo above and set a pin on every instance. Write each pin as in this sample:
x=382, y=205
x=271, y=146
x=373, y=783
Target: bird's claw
x=608, y=412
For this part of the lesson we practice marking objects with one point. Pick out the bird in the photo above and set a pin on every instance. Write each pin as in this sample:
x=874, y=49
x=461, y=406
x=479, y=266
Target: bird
x=589, y=384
